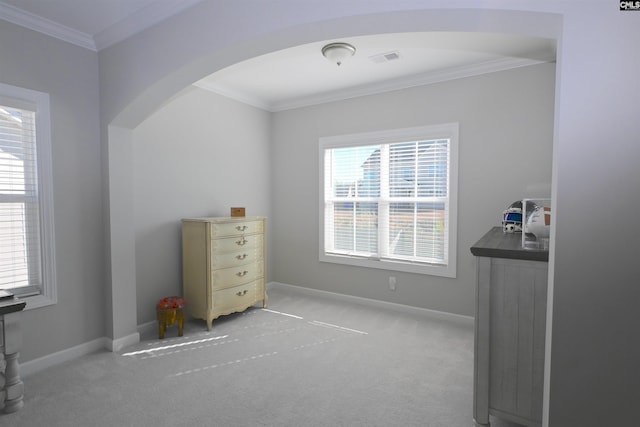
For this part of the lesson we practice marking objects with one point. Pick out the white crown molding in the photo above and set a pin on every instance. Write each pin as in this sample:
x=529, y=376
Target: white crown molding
x=132, y=24
x=45, y=26
x=140, y=20
x=427, y=78
x=237, y=96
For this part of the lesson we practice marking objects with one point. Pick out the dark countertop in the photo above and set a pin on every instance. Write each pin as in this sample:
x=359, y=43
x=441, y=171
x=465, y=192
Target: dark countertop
x=11, y=305
x=498, y=244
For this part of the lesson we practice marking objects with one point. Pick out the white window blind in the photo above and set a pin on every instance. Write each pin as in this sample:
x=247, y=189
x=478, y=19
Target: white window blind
x=390, y=202
x=19, y=207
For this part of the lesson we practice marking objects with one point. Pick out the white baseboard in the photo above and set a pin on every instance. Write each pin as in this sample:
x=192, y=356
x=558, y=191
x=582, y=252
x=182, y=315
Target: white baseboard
x=433, y=314
x=44, y=362
x=104, y=343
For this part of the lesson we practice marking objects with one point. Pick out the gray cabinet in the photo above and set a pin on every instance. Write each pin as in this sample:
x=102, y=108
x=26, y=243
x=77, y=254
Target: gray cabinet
x=510, y=327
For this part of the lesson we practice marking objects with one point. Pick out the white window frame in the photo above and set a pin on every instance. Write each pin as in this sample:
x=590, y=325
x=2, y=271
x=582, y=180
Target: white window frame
x=18, y=97
x=433, y=132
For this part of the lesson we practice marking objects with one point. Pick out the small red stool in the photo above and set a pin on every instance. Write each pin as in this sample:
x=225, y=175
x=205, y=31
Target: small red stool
x=170, y=310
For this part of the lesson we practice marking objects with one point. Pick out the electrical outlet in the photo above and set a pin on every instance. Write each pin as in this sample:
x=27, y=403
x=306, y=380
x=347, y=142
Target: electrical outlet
x=392, y=283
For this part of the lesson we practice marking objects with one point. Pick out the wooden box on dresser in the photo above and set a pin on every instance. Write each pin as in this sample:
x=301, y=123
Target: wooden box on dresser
x=510, y=329
x=223, y=265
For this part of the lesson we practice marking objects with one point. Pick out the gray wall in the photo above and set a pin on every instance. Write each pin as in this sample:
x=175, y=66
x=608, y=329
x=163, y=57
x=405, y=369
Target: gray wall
x=70, y=75
x=196, y=156
x=506, y=138
x=595, y=347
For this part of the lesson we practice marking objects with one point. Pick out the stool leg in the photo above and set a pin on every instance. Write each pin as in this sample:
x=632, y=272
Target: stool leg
x=180, y=322
x=161, y=324
x=161, y=331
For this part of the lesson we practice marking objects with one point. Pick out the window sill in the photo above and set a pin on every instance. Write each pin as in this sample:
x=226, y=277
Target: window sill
x=431, y=270
x=38, y=301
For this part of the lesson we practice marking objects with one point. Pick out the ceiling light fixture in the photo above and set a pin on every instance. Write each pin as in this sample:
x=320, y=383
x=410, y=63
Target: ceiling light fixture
x=338, y=52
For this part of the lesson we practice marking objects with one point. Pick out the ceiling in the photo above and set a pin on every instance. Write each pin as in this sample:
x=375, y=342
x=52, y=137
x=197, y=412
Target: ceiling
x=297, y=76
x=301, y=76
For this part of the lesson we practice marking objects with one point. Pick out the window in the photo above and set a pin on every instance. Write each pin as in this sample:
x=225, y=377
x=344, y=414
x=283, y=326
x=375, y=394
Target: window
x=389, y=199
x=26, y=206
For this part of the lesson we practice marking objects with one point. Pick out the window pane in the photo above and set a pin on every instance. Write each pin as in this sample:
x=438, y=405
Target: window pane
x=402, y=229
x=355, y=171
x=417, y=230
x=11, y=173
x=343, y=226
x=366, y=228
x=356, y=227
x=369, y=185
x=14, y=270
x=402, y=169
x=433, y=168
x=431, y=233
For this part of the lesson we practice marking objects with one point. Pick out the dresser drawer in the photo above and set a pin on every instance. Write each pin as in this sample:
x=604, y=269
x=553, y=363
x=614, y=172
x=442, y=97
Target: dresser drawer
x=234, y=244
x=236, y=228
x=246, y=295
x=234, y=259
x=227, y=277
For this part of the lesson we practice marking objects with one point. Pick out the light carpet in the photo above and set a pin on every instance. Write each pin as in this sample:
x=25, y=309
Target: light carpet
x=304, y=361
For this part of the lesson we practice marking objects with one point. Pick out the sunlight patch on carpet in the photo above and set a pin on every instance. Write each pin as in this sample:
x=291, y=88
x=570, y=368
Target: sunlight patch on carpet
x=281, y=313
x=313, y=344
x=340, y=328
x=167, y=347
x=220, y=365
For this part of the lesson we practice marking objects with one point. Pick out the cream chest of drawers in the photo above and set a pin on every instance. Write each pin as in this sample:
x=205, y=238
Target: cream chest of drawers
x=223, y=265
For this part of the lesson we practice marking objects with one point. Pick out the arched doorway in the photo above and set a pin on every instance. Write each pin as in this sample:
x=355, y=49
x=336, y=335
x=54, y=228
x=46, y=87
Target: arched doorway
x=144, y=98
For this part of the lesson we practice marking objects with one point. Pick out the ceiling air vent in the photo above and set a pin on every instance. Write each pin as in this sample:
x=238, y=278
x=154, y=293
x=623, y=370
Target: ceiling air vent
x=385, y=57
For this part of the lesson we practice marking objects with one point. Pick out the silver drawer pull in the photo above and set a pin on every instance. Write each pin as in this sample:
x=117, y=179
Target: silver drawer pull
x=241, y=227
x=241, y=242
x=241, y=293
x=241, y=273
x=241, y=257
